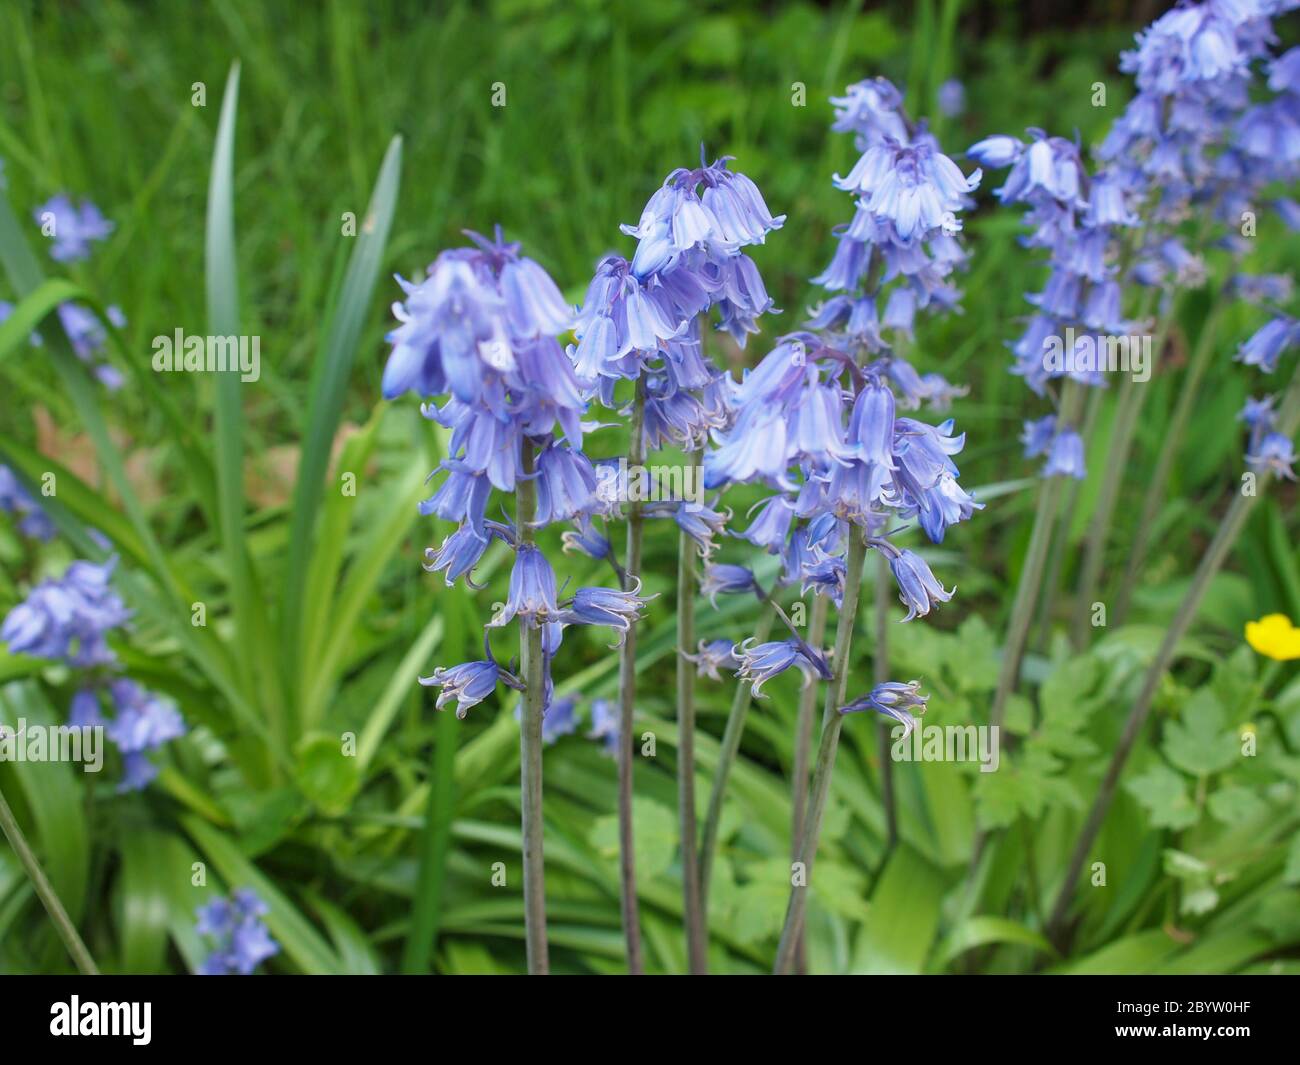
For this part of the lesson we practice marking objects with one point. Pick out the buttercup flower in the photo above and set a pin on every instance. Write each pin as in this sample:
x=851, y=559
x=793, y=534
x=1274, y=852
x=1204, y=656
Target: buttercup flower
x=1274, y=636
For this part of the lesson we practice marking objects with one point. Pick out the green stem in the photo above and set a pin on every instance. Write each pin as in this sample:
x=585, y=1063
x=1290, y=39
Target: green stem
x=1032, y=573
x=726, y=758
x=881, y=674
x=1216, y=554
x=532, y=666
x=1154, y=495
x=832, y=722
x=1117, y=460
x=803, y=750
x=696, y=937
x=627, y=704
x=1061, y=540
x=45, y=891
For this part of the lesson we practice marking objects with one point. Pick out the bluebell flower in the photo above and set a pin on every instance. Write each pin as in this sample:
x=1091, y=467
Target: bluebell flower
x=1267, y=343
x=952, y=98
x=605, y=724
x=713, y=656
x=69, y=618
x=611, y=607
x=1037, y=435
x=142, y=721
x=85, y=711
x=566, y=485
x=872, y=110
x=468, y=683
x=216, y=918
x=727, y=214
x=918, y=589
x=16, y=500
x=458, y=555
x=532, y=590
x=72, y=227
x=241, y=941
x=761, y=663
x=722, y=578
x=560, y=718
x=586, y=540
x=1273, y=452
x=892, y=699
x=772, y=525
x=916, y=188
x=1065, y=458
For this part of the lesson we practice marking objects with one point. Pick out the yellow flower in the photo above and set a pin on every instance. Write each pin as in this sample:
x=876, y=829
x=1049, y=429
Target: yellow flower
x=1274, y=636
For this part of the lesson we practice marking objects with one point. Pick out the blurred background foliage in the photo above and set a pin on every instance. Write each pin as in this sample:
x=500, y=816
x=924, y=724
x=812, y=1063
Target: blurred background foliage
x=367, y=862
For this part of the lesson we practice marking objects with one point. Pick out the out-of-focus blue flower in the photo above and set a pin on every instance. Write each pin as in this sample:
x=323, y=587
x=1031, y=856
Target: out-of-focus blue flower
x=71, y=227
x=712, y=656
x=1065, y=458
x=893, y=699
x=1274, y=452
x=1037, y=435
x=560, y=718
x=241, y=940
x=16, y=500
x=604, y=724
x=1267, y=343
x=87, y=336
x=69, y=618
x=952, y=98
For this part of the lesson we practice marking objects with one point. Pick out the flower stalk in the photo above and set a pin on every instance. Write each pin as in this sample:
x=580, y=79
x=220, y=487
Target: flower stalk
x=45, y=891
x=1031, y=575
x=696, y=936
x=880, y=660
x=532, y=668
x=803, y=751
x=731, y=734
x=832, y=723
x=627, y=703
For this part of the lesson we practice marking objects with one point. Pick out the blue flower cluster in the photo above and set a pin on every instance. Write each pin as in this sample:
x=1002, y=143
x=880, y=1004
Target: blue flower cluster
x=68, y=620
x=641, y=320
x=1191, y=142
x=240, y=936
x=71, y=229
x=16, y=500
x=818, y=419
x=481, y=333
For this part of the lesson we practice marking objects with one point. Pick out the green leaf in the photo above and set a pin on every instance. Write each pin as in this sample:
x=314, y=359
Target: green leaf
x=982, y=930
x=904, y=916
x=980, y=662
x=330, y=374
x=1164, y=795
x=327, y=776
x=1236, y=805
x=655, y=833
x=16, y=330
x=222, y=282
x=1201, y=743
